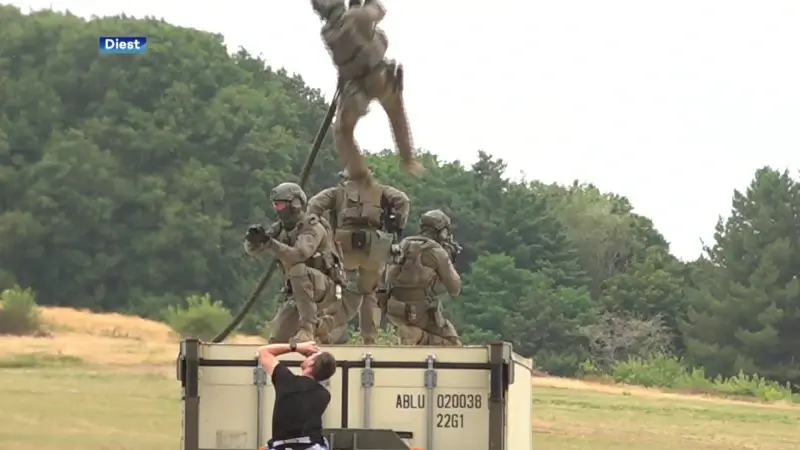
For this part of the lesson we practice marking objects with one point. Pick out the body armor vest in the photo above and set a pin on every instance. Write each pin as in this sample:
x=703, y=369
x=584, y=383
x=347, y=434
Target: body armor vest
x=413, y=274
x=361, y=206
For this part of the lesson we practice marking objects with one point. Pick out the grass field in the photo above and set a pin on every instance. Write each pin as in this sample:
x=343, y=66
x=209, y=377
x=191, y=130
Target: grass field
x=64, y=393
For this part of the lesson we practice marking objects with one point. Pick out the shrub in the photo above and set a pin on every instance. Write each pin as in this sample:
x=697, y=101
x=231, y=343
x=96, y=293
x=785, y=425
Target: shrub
x=200, y=318
x=386, y=336
x=617, y=337
x=19, y=314
x=670, y=372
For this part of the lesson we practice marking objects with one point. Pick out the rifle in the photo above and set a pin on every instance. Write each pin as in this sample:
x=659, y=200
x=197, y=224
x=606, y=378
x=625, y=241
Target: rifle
x=453, y=248
x=390, y=225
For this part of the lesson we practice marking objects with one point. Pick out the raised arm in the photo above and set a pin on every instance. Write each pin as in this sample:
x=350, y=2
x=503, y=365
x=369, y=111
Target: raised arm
x=323, y=201
x=400, y=204
x=446, y=271
x=307, y=243
x=257, y=249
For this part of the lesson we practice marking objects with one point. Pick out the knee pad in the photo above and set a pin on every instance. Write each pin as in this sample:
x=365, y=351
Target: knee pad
x=409, y=335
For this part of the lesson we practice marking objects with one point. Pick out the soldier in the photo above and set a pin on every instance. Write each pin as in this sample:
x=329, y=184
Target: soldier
x=358, y=48
x=413, y=307
x=366, y=217
x=309, y=259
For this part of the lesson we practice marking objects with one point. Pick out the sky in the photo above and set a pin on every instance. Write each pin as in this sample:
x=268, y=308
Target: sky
x=673, y=104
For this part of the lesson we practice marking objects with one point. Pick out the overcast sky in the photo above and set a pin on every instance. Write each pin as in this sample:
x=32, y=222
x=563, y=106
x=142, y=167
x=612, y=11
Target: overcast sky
x=671, y=103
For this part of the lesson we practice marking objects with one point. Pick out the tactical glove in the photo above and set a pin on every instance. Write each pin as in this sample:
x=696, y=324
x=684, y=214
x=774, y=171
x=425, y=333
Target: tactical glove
x=256, y=234
x=454, y=249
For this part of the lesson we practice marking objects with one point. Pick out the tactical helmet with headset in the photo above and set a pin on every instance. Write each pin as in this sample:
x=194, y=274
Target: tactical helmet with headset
x=289, y=201
x=436, y=223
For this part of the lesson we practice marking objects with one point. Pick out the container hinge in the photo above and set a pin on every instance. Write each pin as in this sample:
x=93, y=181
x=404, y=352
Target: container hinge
x=368, y=374
x=431, y=377
x=259, y=376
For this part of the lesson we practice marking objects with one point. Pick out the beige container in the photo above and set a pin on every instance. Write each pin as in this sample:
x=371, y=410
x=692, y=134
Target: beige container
x=433, y=398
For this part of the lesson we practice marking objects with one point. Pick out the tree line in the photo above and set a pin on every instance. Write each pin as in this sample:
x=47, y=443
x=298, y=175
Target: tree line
x=127, y=181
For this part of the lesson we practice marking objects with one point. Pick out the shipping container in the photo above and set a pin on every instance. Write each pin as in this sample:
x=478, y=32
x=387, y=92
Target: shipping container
x=382, y=398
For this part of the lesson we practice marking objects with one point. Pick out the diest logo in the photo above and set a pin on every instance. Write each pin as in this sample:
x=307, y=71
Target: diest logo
x=122, y=45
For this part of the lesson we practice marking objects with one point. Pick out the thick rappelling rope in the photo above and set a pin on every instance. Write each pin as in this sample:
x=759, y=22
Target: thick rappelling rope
x=312, y=156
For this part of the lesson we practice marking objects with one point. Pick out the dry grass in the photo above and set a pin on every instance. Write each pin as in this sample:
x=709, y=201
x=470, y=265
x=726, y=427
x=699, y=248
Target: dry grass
x=107, y=325
x=110, y=338
x=638, y=391
x=57, y=396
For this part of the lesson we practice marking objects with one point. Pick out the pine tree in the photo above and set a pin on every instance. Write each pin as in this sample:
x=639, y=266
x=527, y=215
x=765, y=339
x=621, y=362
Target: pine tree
x=745, y=306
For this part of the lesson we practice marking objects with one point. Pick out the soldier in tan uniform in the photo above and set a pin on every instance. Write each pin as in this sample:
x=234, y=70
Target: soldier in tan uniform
x=413, y=306
x=309, y=260
x=358, y=48
x=366, y=217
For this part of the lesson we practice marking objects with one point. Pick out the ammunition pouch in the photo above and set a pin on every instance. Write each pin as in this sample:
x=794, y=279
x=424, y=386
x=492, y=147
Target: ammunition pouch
x=435, y=309
x=359, y=240
x=405, y=311
x=329, y=265
x=377, y=244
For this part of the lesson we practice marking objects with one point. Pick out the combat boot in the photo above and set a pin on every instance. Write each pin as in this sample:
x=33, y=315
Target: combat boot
x=304, y=334
x=325, y=325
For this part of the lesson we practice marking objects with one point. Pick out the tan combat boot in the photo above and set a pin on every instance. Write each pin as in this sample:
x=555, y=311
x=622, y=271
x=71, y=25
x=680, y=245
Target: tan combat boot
x=304, y=334
x=323, y=329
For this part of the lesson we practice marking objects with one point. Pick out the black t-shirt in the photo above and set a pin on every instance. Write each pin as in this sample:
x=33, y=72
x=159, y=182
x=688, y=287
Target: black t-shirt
x=300, y=403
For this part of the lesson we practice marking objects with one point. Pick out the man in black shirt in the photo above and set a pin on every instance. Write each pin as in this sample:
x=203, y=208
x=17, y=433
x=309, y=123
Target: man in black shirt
x=300, y=400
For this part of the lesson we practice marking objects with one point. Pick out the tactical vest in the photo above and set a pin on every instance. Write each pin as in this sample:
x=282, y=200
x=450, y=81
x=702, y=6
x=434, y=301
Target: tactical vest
x=328, y=257
x=353, y=53
x=413, y=274
x=360, y=206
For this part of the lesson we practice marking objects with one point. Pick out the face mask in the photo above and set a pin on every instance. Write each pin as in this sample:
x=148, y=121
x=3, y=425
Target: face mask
x=287, y=214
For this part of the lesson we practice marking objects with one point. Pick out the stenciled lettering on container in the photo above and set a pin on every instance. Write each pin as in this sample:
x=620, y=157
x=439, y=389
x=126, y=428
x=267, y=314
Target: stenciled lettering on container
x=410, y=401
x=447, y=406
x=455, y=402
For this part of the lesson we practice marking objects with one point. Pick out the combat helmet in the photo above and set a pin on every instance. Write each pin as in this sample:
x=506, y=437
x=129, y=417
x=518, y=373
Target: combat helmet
x=288, y=192
x=435, y=220
x=289, y=201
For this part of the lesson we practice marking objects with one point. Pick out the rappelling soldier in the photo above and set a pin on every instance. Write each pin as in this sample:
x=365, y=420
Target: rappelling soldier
x=358, y=49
